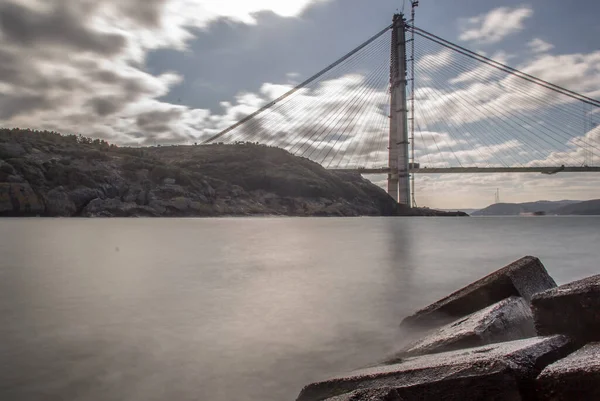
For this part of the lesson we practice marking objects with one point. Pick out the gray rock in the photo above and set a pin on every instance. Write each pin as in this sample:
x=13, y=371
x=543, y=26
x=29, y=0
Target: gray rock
x=524, y=278
x=576, y=377
x=572, y=309
x=169, y=181
x=58, y=203
x=504, y=371
x=509, y=319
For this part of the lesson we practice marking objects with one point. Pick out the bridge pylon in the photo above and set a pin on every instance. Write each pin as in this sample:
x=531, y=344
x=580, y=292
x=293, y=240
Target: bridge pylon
x=398, y=160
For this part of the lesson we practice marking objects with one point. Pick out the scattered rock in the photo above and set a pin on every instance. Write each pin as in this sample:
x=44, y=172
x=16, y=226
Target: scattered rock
x=572, y=309
x=509, y=319
x=576, y=377
x=523, y=277
x=504, y=371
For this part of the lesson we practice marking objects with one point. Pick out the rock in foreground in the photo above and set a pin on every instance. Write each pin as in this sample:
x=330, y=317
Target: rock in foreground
x=497, y=357
x=499, y=371
x=523, y=278
x=576, y=377
x=509, y=319
x=572, y=309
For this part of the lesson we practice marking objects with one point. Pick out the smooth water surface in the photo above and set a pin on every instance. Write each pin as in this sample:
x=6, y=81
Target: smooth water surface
x=238, y=308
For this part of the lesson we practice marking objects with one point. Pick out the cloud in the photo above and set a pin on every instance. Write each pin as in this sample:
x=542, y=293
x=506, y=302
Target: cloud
x=437, y=60
x=539, y=46
x=78, y=66
x=495, y=25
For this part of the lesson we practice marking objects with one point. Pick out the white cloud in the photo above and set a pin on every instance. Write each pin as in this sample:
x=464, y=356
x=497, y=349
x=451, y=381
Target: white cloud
x=495, y=25
x=539, y=45
x=437, y=60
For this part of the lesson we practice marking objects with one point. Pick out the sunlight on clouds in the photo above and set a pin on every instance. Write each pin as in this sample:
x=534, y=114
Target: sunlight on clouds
x=495, y=25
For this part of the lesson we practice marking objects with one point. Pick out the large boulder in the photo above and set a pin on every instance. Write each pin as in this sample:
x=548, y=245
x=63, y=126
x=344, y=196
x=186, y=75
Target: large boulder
x=524, y=277
x=576, y=377
x=504, y=371
x=572, y=309
x=509, y=319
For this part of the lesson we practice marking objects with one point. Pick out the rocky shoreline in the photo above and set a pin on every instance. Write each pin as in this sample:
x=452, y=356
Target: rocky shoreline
x=47, y=174
x=512, y=335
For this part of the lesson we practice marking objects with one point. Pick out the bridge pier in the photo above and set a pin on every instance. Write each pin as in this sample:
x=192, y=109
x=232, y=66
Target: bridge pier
x=398, y=161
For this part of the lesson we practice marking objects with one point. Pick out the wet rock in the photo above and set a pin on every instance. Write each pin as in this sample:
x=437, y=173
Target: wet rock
x=572, y=309
x=509, y=319
x=504, y=371
x=372, y=394
x=19, y=199
x=576, y=377
x=523, y=278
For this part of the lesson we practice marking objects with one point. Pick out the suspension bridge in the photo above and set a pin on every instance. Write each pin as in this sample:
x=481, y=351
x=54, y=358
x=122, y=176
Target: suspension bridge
x=408, y=102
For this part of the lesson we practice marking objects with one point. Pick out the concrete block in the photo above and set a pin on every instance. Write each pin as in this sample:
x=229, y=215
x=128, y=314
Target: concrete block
x=507, y=320
x=524, y=277
x=572, y=309
x=372, y=394
x=504, y=371
x=576, y=377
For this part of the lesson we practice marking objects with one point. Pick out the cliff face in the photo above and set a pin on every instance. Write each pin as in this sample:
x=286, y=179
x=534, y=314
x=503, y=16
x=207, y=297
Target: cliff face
x=43, y=173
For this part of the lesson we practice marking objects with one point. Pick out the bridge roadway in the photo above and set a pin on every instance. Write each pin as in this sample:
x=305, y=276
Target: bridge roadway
x=470, y=170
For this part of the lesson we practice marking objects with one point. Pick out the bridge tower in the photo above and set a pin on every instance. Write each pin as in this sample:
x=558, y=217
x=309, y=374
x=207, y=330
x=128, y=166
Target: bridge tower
x=398, y=159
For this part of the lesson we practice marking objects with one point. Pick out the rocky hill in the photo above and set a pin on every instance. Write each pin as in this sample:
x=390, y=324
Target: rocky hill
x=47, y=174
x=591, y=207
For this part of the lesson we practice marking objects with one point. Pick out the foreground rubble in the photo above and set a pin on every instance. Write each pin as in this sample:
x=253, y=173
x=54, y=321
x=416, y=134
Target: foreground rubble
x=512, y=335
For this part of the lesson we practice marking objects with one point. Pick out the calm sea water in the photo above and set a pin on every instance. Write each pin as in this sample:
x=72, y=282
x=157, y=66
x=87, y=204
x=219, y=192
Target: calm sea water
x=238, y=308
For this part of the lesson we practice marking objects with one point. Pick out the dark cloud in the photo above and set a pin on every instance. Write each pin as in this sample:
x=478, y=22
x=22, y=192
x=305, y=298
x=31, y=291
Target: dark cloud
x=146, y=12
x=157, y=121
x=62, y=26
x=104, y=106
x=13, y=105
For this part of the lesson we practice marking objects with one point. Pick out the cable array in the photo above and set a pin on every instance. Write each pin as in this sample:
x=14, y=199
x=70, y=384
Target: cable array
x=476, y=112
x=338, y=118
x=468, y=111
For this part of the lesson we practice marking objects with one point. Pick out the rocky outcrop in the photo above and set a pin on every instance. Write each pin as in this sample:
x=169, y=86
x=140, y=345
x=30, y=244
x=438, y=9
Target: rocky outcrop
x=494, y=353
x=43, y=173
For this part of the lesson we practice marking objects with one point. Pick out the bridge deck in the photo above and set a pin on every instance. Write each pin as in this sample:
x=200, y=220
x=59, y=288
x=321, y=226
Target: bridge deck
x=470, y=170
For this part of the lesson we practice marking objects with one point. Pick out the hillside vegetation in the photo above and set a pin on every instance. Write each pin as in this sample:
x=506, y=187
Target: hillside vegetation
x=47, y=174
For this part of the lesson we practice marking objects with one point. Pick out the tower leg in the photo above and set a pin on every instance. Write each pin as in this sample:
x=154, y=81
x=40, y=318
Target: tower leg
x=392, y=185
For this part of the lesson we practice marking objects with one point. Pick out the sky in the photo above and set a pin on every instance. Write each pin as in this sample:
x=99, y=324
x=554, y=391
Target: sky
x=147, y=72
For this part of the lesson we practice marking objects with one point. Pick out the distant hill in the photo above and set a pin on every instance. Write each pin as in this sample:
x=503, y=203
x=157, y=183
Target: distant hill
x=591, y=207
x=515, y=209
